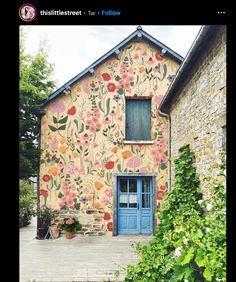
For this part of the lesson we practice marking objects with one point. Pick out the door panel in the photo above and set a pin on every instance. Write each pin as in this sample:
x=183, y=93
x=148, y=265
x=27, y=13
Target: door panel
x=134, y=205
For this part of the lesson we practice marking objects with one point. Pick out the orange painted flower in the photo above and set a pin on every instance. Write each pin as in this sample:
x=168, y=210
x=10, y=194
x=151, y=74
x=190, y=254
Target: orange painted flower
x=106, y=76
x=141, y=69
x=109, y=165
x=90, y=197
x=53, y=170
x=160, y=195
x=98, y=185
x=126, y=155
x=114, y=150
x=43, y=192
x=97, y=205
x=111, y=87
x=75, y=154
x=62, y=141
x=63, y=149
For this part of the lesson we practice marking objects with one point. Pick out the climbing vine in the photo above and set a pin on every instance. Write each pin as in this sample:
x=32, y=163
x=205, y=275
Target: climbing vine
x=190, y=243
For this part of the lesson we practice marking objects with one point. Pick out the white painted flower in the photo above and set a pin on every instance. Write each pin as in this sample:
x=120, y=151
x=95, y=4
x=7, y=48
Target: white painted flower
x=209, y=206
x=208, y=229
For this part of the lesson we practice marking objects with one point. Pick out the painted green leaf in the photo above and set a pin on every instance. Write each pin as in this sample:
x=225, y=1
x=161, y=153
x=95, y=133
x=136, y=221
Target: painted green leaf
x=81, y=128
x=132, y=83
x=119, y=167
x=163, y=166
x=77, y=206
x=126, y=59
x=42, y=161
x=54, y=119
x=121, y=91
x=100, y=106
x=107, y=106
x=76, y=123
x=164, y=71
x=130, y=46
x=117, y=78
x=63, y=120
x=63, y=127
x=52, y=128
x=60, y=195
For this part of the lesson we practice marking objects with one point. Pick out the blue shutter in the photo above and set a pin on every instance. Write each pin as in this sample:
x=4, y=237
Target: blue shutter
x=138, y=119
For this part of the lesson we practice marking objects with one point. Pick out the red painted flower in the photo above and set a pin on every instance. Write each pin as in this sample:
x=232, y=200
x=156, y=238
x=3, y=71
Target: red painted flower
x=107, y=216
x=160, y=195
x=46, y=178
x=111, y=87
x=158, y=57
x=109, y=226
x=106, y=76
x=162, y=188
x=71, y=111
x=109, y=165
x=43, y=192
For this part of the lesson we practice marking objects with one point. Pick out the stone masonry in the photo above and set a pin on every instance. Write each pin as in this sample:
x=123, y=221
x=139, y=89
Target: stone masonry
x=198, y=116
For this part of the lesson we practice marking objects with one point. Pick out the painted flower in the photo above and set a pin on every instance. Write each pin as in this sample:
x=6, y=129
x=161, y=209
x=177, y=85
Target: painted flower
x=43, y=192
x=71, y=111
x=170, y=77
x=158, y=57
x=98, y=185
x=150, y=61
x=108, y=192
x=111, y=87
x=141, y=69
x=107, y=216
x=107, y=120
x=143, y=169
x=57, y=107
x=106, y=76
x=109, y=165
x=86, y=190
x=117, y=98
x=109, y=226
x=70, y=221
x=53, y=170
x=158, y=99
x=46, y=178
x=62, y=149
x=162, y=188
x=160, y=195
x=134, y=162
x=97, y=205
x=83, y=200
x=126, y=155
x=105, y=201
x=177, y=252
x=72, y=168
x=114, y=150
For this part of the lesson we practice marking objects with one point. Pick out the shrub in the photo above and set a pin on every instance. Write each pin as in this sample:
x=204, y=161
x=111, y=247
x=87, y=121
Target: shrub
x=190, y=243
x=27, y=201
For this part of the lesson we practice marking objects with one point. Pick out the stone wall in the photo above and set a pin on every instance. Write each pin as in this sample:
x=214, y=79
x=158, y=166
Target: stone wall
x=198, y=116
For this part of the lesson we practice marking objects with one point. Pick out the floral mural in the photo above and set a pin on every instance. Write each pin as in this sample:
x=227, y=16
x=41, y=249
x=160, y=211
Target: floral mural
x=82, y=133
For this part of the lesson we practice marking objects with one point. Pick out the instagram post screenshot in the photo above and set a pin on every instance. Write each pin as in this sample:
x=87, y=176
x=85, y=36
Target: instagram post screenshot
x=122, y=125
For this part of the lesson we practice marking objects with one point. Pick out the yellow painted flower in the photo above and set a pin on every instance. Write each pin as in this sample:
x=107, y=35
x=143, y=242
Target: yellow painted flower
x=77, y=88
x=62, y=141
x=126, y=155
x=75, y=154
x=141, y=69
x=98, y=185
x=63, y=149
x=53, y=170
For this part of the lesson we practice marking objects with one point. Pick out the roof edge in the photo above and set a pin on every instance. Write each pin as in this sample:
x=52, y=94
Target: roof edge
x=140, y=33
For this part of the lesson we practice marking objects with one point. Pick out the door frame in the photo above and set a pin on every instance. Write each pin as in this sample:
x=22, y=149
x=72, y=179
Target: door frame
x=154, y=204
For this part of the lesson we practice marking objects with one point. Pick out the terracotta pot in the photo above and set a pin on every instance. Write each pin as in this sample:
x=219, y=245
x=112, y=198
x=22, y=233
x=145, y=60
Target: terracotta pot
x=55, y=231
x=69, y=234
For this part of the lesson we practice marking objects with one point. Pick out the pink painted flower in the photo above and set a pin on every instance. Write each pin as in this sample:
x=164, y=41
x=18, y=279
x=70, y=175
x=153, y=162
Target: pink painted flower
x=134, y=162
x=72, y=168
x=112, y=113
x=72, y=194
x=88, y=122
x=107, y=120
x=61, y=203
x=70, y=203
x=57, y=107
x=92, y=129
x=143, y=169
x=144, y=53
x=69, y=221
x=86, y=190
x=158, y=99
x=108, y=192
x=105, y=201
x=136, y=56
x=81, y=171
x=54, y=143
x=150, y=61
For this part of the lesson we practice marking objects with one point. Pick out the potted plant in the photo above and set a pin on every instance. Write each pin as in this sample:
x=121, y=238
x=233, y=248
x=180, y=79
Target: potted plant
x=70, y=226
x=44, y=217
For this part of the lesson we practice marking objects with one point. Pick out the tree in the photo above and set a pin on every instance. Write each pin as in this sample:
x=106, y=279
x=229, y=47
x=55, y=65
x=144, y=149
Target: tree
x=35, y=86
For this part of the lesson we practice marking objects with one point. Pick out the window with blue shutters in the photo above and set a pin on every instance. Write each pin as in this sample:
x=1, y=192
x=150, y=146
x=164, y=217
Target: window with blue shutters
x=138, y=120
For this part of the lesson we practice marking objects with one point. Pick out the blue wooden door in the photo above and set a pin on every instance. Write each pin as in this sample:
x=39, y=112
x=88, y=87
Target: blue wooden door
x=134, y=205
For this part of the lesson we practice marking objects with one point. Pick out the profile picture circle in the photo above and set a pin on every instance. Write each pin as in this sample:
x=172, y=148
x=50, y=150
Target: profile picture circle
x=27, y=12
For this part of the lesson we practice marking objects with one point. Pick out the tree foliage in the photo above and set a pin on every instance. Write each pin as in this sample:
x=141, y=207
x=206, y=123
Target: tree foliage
x=190, y=243
x=35, y=85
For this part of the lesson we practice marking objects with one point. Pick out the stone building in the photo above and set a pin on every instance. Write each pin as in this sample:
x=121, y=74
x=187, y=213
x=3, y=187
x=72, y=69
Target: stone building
x=196, y=101
x=103, y=144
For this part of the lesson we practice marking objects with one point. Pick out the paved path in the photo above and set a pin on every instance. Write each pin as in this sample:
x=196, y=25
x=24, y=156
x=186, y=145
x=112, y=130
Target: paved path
x=80, y=259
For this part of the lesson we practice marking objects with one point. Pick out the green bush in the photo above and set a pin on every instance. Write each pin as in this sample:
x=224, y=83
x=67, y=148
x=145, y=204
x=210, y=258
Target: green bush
x=190, y=243
x=27, y=201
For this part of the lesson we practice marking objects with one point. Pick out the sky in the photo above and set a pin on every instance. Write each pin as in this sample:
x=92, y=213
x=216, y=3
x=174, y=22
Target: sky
x=73, y=48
